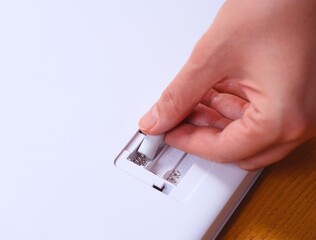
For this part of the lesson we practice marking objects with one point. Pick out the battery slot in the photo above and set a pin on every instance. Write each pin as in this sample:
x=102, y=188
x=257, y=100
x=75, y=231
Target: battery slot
x=167, y=171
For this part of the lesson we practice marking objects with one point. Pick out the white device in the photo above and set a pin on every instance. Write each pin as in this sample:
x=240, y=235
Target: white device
x=75, y=77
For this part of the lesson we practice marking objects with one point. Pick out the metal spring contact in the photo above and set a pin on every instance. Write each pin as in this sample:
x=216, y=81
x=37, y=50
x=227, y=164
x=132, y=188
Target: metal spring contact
x=140, y=160
x=174, y=177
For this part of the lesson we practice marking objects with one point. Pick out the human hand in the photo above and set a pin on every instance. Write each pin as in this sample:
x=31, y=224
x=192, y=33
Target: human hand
x=247, y=94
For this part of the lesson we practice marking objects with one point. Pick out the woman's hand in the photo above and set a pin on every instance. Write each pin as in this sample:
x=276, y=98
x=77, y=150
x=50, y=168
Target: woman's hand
x=247, y=94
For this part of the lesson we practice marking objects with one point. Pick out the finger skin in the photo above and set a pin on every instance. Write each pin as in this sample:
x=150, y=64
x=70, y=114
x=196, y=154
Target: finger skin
x=231, y=87
x=228, y=105
x=207, y=117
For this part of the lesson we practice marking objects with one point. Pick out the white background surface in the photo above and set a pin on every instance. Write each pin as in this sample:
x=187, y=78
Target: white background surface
x=75, y=76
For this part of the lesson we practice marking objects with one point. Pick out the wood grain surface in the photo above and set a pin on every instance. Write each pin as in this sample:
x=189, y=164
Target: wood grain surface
x=282, y=203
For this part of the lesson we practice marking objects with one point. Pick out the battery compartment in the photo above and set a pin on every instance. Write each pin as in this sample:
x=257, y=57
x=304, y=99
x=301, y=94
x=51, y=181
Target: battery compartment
x=171, y=171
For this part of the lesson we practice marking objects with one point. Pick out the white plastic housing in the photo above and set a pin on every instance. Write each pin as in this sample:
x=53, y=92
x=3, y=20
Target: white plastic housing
x=159, y=172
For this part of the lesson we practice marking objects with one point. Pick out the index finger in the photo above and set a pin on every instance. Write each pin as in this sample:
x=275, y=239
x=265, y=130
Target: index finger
x=203, y=69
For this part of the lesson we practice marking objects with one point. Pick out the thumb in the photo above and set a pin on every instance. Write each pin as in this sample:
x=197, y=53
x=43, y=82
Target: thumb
x=197, y=76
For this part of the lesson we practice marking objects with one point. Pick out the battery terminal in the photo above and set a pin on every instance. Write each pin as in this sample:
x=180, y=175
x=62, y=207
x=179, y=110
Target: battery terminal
x=174, y=177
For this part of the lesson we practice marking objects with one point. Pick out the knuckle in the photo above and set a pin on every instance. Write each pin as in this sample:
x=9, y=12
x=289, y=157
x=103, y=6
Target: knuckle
x=258, y=125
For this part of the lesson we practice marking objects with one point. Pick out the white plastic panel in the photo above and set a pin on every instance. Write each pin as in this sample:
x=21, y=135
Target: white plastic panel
x=167, y=170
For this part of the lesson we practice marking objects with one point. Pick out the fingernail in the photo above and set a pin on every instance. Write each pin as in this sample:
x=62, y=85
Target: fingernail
x=149, y=120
